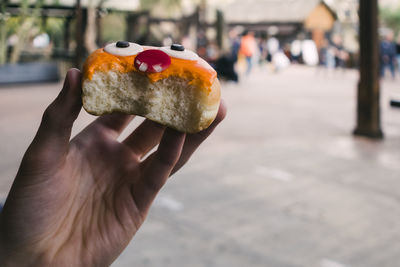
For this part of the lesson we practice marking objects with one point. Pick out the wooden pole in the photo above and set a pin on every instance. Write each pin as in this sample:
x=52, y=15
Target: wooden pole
x=135, y=24
x=99, y=29
x=220, y=29
x=368, y=105
x=79, y=35
x=67, y=30
x=131, y=21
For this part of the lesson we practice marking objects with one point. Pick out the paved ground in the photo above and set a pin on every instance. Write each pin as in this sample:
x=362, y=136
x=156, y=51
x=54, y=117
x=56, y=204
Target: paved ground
x=282, y=183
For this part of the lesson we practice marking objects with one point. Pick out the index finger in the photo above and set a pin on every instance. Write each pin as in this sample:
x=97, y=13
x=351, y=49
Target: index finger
x=158, y=167
x=193, y=141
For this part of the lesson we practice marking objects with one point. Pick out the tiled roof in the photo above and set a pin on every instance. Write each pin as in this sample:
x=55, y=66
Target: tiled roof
x=253, y=11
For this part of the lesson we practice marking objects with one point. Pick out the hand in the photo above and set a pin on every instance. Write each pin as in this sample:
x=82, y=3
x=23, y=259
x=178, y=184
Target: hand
x=80, y=202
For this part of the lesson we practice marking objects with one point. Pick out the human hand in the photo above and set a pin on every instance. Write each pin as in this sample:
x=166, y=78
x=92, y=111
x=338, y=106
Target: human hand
x=80, y=202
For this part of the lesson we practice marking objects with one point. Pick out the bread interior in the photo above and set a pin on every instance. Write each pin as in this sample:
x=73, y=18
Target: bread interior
x=172, y=101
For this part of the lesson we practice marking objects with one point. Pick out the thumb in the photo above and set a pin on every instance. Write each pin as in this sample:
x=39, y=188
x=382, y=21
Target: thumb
x=52, y=138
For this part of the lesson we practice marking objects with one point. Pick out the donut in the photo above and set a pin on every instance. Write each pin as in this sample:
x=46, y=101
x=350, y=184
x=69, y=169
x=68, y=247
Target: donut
x=170, y=85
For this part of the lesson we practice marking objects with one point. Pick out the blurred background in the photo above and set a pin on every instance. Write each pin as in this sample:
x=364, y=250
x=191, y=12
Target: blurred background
x=305, y=170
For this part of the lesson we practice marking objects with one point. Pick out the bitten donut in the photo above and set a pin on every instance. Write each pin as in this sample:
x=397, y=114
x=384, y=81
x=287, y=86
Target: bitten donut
x=169, y=85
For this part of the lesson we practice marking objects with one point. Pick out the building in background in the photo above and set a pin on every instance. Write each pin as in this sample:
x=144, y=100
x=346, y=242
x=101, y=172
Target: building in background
x=347, y=23
x=284, y=19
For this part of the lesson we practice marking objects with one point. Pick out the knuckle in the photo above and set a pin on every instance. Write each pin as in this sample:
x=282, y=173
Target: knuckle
x=167, y=160
x=153, y=185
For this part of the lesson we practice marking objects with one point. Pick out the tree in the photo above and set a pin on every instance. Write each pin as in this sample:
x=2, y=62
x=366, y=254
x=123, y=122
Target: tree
x=161, y=7
x=24, y=26
x=3, y=31
x=390, y=17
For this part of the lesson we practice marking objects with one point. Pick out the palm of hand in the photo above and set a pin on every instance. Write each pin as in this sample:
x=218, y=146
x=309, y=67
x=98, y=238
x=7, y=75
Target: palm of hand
x=99, y=212
x=79, y=203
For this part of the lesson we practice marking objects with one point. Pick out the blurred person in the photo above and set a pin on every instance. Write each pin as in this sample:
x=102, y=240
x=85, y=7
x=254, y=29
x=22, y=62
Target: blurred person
x=286, y=50
x=398, y=52
x=256, y=58
x=309, y=53
x=79, y=201
x=202, y=43
x=330, y=57
x=41, y=41
x=273, y=47
x=12, y=40
x=388, y=54
x=188, y=43
x=202, y=40
x=263, y=48
x=225, y=64
x=280, y=61
x=212, y=51
x=248, y=48
x=327, y=55
x=341, y=55
x=345, y=56
x=235, y=44
x=323, y=53
x=225, y=68
x=295, y=51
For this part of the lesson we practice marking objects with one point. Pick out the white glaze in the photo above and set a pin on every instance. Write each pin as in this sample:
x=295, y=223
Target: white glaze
x=132, y=50
x=186, y=54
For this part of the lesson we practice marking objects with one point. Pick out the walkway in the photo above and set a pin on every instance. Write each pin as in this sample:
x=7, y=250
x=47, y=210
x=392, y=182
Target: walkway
x=282, y=183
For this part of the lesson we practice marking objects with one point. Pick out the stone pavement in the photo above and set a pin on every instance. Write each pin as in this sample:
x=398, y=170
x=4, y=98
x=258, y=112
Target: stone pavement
x=282, y=182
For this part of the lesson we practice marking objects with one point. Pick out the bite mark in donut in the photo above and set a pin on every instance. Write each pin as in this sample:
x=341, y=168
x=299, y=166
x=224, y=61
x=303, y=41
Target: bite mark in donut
x=184, y=95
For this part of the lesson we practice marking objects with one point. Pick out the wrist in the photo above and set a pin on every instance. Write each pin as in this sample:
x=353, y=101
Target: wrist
x=10, y=257
x=16, y=259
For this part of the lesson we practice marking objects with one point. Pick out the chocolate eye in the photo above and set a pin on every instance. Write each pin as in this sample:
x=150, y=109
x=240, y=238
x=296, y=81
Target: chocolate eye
x=178, y=51
x=123, y=48
x=122, y=44
x=177, y=47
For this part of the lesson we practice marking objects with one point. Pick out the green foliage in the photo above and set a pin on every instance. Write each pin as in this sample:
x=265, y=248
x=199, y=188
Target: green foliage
x=55, y=29
x=167, y=5
x=390, y=17
x=25, y=25
x=3, y=32
x=12, y=25
x=53, y=26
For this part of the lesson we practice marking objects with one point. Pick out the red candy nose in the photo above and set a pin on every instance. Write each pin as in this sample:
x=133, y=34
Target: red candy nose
x=152, y=60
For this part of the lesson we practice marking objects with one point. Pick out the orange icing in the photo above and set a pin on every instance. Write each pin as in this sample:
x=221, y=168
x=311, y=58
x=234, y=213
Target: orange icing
x=193, y=71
